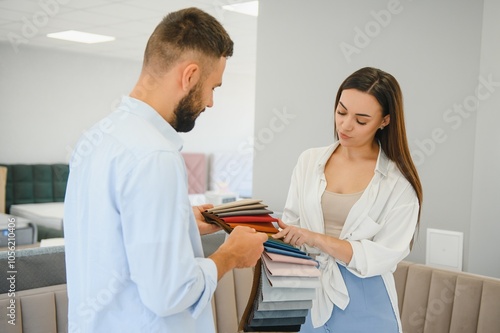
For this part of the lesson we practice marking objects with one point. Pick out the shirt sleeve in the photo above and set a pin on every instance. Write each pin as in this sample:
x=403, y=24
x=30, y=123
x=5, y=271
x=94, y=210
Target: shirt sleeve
x=158, y=230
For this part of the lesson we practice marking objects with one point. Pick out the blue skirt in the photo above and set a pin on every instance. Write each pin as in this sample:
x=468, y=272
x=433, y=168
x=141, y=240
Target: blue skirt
x=369, y=309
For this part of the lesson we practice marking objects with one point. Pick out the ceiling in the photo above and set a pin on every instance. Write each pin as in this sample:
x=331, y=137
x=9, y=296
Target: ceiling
x=26, y=23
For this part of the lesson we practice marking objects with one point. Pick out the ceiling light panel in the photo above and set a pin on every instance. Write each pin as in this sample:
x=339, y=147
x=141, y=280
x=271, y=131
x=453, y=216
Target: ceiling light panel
x=80, y=37
x=247, y=8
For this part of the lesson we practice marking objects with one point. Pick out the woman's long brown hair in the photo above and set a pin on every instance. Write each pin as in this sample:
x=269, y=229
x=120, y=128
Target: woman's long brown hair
x=385, y=88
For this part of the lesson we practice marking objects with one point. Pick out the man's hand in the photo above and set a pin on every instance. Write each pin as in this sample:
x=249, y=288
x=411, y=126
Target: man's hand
x=204, y=227
x=243, y=247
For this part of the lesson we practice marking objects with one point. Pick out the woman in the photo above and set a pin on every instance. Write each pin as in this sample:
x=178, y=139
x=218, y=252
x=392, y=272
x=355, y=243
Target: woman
x=355, y=206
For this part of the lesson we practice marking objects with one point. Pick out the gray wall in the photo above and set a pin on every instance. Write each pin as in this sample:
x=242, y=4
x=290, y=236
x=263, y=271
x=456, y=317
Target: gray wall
x=50, y=98
x=304, y=51
x=485, y=218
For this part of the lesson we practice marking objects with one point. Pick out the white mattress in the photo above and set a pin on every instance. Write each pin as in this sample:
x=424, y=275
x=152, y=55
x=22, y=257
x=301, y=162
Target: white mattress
x=48, y=214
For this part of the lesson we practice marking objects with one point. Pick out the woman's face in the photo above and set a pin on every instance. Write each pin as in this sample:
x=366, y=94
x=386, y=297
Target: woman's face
x=357, y=118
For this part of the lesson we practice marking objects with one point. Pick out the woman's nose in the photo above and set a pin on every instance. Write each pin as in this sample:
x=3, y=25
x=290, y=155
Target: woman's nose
x=347, y=124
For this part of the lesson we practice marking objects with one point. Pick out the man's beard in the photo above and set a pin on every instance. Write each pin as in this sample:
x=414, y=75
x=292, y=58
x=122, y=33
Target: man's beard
x=187, y=110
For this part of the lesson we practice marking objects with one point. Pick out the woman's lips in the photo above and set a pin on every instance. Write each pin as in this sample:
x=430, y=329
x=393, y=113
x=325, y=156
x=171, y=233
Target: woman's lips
x=343, y=136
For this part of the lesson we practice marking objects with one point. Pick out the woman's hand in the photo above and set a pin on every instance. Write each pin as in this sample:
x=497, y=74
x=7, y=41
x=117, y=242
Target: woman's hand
x=337, y=248
x=204, y=227
x=294, y=235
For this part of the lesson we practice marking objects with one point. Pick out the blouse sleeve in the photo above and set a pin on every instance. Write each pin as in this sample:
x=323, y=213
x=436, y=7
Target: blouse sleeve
x=392, y=236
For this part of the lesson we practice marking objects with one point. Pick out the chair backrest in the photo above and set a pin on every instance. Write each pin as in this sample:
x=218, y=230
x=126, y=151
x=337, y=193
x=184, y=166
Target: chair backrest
x=433, y=300
x=35, y=310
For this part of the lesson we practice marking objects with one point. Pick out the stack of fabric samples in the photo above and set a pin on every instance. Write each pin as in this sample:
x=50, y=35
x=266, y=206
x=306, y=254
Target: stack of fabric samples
x=285, y=278
x=284, y=285
x=246, y=212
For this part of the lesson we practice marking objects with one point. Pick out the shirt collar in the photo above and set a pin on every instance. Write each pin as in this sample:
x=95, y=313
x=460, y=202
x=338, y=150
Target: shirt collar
x=146, y=112
x=382, y=162
x=382, y=165
x=326, y=155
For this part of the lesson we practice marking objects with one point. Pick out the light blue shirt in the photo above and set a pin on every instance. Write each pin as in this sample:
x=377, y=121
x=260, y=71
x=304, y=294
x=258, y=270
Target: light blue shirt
x=134, y=257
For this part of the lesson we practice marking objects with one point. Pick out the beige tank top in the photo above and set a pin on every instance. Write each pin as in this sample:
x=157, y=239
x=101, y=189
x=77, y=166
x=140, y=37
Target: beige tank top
x=336, y=207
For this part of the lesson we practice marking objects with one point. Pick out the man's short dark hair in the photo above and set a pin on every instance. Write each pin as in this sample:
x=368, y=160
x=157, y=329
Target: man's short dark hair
x=189, y=29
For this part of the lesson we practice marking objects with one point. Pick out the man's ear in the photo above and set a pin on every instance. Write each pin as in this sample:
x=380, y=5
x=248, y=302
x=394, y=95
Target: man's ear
x=190, y=76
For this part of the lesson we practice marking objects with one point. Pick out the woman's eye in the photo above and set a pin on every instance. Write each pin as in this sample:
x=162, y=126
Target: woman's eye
x=340, y=113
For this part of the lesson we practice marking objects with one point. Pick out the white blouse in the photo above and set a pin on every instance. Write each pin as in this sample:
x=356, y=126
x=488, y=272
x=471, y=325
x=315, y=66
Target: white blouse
x=379, y=226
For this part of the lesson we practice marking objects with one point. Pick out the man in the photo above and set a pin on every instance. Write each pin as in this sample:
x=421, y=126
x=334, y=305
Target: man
x=133, y=249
